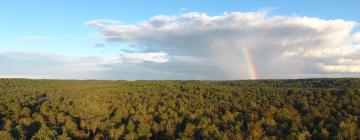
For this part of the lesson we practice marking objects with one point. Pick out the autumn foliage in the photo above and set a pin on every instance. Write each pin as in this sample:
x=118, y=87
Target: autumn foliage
x=260, y=109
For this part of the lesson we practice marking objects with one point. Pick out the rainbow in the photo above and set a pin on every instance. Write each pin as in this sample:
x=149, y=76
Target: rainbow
x=250, y=63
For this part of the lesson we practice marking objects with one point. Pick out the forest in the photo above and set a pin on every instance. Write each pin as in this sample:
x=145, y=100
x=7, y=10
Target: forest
x=226, y=110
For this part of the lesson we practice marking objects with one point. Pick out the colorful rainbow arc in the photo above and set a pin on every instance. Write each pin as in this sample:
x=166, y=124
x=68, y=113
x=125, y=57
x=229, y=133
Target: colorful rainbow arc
x=250, y=63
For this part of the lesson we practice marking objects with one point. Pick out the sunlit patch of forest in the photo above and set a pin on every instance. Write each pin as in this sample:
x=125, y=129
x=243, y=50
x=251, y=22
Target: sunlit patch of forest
x=111, y=110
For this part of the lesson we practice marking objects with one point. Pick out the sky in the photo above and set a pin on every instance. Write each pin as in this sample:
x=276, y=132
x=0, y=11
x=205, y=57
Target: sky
x=179, y=40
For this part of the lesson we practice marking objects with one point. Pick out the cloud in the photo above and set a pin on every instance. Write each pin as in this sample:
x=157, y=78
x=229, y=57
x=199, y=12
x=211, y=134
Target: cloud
x=343, y=65
x=356, y=37
x=157, y=57
x=188, y=59
x=340, y=68
x=279, y=45
x=124, y=65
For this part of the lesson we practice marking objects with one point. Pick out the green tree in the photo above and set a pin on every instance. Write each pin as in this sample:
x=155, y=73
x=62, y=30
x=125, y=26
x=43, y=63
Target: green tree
x=26, y=112
x=348, y=129
x=6, y=135
x=130, y=126
x=143, y=130
x=44, y=133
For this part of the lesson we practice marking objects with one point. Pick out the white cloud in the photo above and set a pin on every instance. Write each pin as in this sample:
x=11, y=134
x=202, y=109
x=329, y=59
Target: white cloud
x=340, y=68
x=157, y=57
x=348, y=61
x=342, y=65
x=356, y=37
x=278, y=44
x=125, y=65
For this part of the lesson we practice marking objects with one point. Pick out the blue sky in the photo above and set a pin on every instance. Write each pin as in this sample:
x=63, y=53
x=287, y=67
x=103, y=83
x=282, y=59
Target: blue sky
x=59, y=28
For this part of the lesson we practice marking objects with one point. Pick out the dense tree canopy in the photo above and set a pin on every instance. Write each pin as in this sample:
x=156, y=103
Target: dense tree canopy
x=259, y=109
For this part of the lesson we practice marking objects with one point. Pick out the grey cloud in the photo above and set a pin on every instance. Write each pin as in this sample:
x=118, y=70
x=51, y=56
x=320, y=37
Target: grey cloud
x=279, y=44
x=117, y=67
